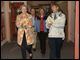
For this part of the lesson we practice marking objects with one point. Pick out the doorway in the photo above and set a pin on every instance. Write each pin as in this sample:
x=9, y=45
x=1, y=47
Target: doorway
x=14, y=12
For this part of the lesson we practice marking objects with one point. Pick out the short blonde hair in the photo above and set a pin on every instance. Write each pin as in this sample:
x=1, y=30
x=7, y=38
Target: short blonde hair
x=43, y=9
x=21, y=7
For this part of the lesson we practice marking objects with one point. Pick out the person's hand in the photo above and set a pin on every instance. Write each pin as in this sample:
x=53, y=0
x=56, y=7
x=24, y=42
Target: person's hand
x=35, y=32
x=49, y=24
x=25, y=25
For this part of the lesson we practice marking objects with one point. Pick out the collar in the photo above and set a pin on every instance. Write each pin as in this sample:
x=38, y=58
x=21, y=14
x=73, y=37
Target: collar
x=56, y=13
x=41, y=17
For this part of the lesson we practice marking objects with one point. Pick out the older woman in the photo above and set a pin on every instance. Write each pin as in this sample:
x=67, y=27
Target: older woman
x=25, y=37
x=41, y=29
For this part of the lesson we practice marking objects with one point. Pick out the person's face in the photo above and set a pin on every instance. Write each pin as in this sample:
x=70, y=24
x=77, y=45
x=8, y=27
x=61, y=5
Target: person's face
x=41, y=11
x=32, y=12
x=54, y=9
x=24, y=10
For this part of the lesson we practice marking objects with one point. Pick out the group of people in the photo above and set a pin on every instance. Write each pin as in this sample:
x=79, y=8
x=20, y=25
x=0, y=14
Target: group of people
x=29, y=25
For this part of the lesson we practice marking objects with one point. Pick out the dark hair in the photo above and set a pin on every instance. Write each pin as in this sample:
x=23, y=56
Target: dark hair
x=47, y=12
x=32, y=8
x=61, y=10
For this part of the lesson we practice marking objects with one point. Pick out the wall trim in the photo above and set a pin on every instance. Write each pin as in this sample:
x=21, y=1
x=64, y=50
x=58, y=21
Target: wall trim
x=3, y=42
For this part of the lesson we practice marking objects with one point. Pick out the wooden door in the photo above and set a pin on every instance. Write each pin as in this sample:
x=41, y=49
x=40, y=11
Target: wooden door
x=2, y=22
x=14, y=12
x=77, y=31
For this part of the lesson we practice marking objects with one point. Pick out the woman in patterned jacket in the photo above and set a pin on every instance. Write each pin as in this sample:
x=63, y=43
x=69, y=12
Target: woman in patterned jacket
x=24, y=36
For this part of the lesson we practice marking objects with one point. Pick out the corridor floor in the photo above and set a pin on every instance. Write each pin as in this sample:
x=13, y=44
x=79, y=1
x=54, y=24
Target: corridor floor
x=13, y=51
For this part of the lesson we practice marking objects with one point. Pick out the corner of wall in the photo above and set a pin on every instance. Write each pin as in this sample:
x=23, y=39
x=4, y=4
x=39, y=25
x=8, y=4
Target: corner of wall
x=3, y=42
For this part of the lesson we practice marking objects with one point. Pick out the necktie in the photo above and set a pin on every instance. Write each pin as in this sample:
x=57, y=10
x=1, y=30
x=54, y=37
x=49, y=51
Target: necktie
x=54, y=16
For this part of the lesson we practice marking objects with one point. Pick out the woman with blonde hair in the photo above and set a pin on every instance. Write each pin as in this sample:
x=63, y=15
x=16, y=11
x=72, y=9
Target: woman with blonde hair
x=24, y=37
x=40, y=28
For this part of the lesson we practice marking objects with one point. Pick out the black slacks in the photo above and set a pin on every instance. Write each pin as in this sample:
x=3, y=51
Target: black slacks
x=42, y=37
x=55, y=47
x=24, y=46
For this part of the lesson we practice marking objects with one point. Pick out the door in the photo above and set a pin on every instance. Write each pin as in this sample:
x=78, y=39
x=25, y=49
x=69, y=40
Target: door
x=2, y=22
x=14, y=12
x=77, y=31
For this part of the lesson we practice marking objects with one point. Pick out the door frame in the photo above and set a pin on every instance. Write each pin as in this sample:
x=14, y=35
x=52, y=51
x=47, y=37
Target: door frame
x=3, y=34
x=77, y=31
x=12, y=14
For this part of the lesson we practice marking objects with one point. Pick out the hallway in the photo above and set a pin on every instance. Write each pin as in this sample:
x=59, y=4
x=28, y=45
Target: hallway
x=9, y=11
x=13, y=51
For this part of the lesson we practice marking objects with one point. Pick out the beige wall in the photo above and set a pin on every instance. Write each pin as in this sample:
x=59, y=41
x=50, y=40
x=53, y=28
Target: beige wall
x=7, y=23
x=71, y=20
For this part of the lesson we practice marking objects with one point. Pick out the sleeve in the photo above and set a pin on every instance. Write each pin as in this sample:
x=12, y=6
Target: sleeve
x=60, y=22
x=35, y=24
x=47, y=21
x=18, y=22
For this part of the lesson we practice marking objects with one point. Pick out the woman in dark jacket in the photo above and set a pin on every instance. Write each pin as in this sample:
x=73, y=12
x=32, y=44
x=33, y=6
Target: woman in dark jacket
x=40, y=28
